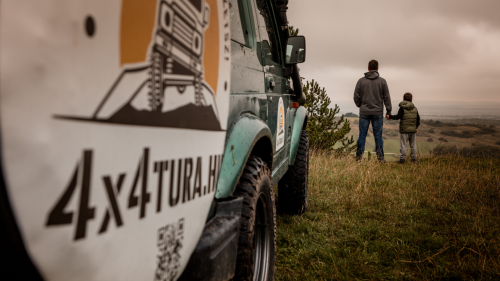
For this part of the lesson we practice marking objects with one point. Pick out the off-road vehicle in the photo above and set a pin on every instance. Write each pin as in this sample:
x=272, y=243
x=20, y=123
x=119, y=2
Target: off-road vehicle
x=266, y=143
x=145, y=140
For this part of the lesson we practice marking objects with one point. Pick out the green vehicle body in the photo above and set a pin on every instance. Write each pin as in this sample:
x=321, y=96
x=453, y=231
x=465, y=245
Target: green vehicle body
x=253, y=109
x=262, y=87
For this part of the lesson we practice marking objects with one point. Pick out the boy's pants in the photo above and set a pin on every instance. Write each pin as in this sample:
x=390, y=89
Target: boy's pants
x=412, y=137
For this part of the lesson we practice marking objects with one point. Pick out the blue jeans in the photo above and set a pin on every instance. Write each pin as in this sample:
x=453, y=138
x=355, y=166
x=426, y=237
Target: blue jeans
x=377, y=124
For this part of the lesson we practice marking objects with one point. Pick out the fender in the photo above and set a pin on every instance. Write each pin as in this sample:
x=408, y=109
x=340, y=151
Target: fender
x=247, y=132
x=299, y=123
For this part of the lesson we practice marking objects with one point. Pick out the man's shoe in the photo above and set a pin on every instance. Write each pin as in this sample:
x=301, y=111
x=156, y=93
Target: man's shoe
x=400, y=161
x=381, y=161
x=415, y=161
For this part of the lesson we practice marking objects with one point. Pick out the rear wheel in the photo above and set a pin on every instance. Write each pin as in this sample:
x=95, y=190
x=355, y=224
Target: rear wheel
x=257, y=241
x=294, y=185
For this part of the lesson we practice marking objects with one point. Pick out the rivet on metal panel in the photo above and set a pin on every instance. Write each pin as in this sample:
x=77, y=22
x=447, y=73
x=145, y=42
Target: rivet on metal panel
x=232, y=148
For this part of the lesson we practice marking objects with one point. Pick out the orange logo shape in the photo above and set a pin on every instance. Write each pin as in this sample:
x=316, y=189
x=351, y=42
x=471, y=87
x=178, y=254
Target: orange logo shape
x=137, y=32
x=169, y=53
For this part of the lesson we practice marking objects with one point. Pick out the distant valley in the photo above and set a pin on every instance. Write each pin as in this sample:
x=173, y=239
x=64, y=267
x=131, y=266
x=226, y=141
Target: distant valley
x=439, y=109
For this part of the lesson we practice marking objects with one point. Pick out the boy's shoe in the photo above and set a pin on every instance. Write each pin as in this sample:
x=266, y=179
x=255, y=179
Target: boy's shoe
x=415, y=161
x=381, y=161
x=401, y=161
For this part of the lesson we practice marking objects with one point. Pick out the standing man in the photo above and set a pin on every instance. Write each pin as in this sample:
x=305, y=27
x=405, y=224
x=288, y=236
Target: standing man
x=370, y=95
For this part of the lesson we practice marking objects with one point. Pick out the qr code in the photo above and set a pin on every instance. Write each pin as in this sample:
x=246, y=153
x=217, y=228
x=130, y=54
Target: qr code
x=169, y=245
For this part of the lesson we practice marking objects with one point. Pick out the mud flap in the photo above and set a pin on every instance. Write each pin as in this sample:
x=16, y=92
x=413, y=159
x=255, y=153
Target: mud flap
x=215, y=255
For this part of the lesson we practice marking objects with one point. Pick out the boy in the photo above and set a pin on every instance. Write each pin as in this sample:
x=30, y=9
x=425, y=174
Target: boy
x=408, y=126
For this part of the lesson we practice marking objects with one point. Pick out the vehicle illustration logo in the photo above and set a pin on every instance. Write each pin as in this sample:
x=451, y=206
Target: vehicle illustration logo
x=167, y=87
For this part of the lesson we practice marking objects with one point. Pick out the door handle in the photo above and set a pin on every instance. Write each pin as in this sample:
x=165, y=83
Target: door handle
x=270, y=82
x=269, y=68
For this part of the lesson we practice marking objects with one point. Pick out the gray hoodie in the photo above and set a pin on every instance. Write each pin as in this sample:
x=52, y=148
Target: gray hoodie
x=371, y=94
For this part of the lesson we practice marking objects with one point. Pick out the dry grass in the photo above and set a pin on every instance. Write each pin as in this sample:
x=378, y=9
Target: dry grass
x=438, y=220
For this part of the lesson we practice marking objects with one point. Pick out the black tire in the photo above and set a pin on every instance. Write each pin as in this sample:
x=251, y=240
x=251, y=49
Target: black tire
x=257, y=241
x=294, y=185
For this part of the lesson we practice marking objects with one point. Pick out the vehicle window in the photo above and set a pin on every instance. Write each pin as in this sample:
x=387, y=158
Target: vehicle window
x=289, y=49
x=240, y=24
x=269, y=40
x=236, y=26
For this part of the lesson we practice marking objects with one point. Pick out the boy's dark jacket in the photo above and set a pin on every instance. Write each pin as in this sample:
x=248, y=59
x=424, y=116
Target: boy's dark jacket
x=410, y=119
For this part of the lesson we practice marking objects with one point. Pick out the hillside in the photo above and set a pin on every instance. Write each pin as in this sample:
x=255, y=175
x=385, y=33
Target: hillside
x=478, y=135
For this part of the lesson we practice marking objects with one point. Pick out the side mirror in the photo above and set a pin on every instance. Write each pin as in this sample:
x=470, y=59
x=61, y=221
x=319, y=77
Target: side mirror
x=295, y=50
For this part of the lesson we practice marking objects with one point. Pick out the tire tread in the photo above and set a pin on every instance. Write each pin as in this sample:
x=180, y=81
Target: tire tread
x=253, y=173
x=293, y=187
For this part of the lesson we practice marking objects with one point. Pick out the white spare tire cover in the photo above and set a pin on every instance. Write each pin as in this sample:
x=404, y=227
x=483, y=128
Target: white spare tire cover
x=113, y=117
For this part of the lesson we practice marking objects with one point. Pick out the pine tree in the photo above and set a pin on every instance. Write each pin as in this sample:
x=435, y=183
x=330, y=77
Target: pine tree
x=324, y=129
x=323, y=126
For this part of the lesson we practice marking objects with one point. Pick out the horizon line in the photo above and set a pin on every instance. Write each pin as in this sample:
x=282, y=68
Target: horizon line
x=350, y=100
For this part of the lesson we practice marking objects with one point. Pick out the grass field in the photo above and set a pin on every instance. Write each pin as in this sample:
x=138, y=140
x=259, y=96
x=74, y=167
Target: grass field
x=438, y=220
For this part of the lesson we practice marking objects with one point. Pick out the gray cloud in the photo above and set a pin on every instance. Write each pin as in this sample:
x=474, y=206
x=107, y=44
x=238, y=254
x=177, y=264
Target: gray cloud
x=439, y=49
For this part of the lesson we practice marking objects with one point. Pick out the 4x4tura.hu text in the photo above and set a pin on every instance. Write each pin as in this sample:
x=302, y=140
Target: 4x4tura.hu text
x=182, y=176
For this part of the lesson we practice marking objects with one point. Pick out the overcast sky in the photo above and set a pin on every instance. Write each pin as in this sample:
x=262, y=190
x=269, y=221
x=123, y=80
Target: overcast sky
x=436, y=49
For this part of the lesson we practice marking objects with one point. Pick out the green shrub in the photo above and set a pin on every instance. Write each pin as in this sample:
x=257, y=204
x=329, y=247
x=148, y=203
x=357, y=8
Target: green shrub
x=485, y=130
x=440, y=123
x=431, y=131
x=324, y=129
x=464, y=134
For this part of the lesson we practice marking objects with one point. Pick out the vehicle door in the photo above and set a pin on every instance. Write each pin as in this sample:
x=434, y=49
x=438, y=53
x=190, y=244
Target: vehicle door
x=275, y=85
x=247, y=87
